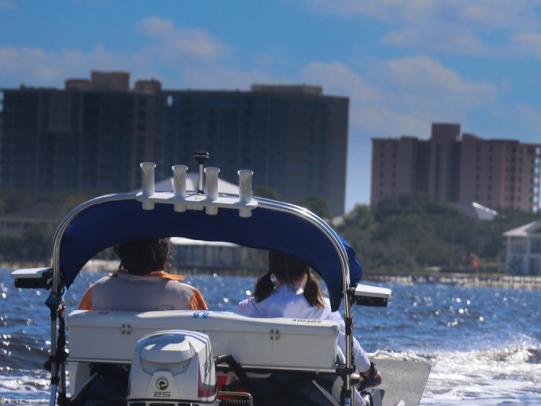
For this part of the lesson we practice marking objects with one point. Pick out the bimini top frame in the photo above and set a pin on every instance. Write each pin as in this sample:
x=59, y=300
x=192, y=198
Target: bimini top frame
x=205, y=215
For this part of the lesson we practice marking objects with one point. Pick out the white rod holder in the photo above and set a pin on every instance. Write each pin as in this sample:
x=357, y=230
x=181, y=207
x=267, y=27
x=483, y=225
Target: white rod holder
x=211, y=175
x=179, y=186
x=245, y=185
x=148, y=187
x=245, y=190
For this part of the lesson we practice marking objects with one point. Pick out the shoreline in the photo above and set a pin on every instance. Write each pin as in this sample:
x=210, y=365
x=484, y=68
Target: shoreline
x=526, y=282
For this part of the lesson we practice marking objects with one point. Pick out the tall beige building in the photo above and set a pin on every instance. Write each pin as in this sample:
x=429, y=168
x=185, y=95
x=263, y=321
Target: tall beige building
x=500, y=174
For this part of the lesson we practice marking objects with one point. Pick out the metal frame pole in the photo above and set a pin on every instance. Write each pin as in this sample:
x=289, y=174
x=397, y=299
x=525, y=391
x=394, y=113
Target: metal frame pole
x=297, y=211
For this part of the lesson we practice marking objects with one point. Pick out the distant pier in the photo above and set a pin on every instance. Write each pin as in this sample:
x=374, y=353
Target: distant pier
x=467, y=280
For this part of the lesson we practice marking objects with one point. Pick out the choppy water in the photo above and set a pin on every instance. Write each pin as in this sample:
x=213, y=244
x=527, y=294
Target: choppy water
x=484, y=344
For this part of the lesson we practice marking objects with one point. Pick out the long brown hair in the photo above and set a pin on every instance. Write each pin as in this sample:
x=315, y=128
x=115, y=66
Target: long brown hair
x=288, y=269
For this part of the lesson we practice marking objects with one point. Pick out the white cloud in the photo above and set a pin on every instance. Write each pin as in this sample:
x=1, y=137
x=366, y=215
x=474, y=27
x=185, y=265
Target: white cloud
x=35, y=65
x=400, y=96
x=530, y=120
x=454, y=27
x=441, y=39
x=339, y=78
x=423, y=73
x=170, y=48
x=157, y=27
x=7, y=5
x=485, y=13
x=176, y=43
x=529, y=43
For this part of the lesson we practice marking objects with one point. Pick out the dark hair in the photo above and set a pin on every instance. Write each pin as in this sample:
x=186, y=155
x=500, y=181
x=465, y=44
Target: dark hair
x=288, y=269
x=143, y=257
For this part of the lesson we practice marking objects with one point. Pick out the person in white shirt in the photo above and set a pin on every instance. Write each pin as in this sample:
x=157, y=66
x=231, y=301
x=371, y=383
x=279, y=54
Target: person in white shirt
x=289, y=289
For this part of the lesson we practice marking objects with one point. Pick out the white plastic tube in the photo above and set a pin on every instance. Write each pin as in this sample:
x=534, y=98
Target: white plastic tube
x=245, y=190
x=147, y=181
x=179, y=186
x=211, y=177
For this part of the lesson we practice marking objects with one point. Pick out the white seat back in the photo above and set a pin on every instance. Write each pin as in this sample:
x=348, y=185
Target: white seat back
x=276, y=343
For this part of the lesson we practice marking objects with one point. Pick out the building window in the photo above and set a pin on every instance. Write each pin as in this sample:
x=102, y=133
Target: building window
x=518, y=245
x=535, y=266
x=535, y=245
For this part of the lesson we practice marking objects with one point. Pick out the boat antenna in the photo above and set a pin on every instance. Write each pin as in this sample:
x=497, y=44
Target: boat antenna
x=201, y=157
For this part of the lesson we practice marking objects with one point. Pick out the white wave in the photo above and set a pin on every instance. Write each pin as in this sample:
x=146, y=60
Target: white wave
x=398, y=356
x=24, y=387
x=508, y=375
x=503, y=376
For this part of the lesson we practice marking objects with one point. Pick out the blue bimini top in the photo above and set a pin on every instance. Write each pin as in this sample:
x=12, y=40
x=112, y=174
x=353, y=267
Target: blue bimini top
x=107, y=223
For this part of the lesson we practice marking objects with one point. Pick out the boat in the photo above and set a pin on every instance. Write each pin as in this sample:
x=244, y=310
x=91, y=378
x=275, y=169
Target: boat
x=181, y=358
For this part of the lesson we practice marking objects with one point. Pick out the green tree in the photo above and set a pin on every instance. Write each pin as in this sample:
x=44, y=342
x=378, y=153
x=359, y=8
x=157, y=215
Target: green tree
x=316, y=205
x=411, y=233
x=266, y=191
x=71, y=201
x=13, y=200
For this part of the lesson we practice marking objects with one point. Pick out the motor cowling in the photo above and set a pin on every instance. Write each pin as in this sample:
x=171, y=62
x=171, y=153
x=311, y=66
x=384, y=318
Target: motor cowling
x=175, y=366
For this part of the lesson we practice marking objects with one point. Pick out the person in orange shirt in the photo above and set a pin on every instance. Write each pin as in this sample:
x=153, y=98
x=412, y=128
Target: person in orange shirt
x=141, y=283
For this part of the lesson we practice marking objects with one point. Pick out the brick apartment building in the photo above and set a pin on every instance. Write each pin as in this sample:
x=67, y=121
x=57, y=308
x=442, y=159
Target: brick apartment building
x=500, y=174
x=91, y=135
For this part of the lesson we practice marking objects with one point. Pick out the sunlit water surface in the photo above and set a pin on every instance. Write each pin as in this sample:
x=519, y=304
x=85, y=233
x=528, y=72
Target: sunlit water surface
x=484, y=344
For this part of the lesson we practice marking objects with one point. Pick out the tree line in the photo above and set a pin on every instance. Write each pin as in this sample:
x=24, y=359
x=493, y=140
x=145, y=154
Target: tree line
x=401, y=235
x=34, y=244
x=412, y=234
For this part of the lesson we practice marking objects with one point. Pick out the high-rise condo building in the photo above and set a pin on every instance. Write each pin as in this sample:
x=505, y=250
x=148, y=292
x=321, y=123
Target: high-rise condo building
x=500, y=174
x=91, y=136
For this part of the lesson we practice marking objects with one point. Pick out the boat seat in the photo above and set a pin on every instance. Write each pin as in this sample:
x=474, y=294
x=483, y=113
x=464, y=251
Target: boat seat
x=255, y=343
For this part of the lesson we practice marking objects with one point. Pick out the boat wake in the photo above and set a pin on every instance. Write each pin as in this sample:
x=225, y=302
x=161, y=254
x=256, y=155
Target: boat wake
x=509, y=375
x=23, y=387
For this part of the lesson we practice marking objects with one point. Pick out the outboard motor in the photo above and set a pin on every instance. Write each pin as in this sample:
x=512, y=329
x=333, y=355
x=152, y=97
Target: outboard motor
x=173, y=367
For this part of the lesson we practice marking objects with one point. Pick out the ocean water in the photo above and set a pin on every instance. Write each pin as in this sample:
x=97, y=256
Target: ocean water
x=484, y=344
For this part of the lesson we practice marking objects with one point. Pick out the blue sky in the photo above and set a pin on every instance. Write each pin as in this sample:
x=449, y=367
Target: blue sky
x=403, y=63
